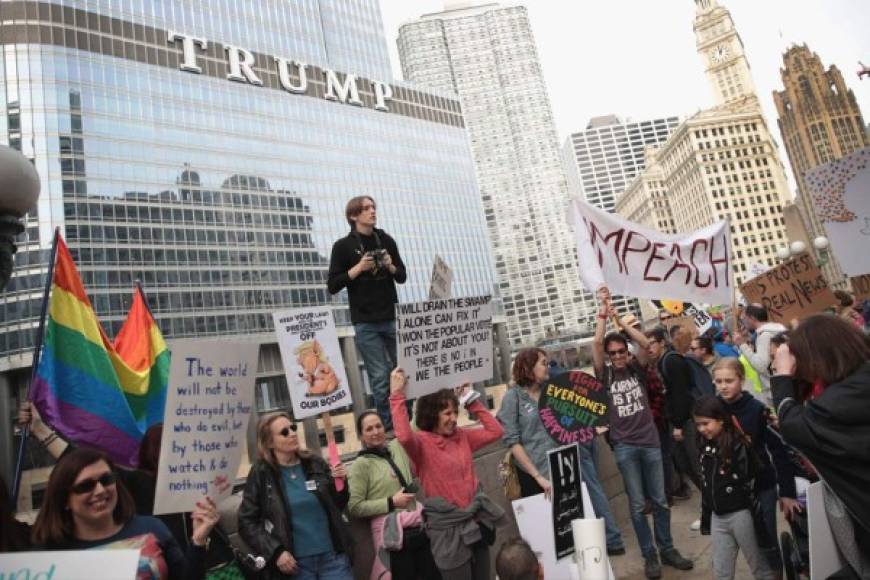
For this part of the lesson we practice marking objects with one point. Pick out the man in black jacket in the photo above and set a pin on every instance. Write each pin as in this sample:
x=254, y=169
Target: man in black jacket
x=367, y=263
x=677, y=378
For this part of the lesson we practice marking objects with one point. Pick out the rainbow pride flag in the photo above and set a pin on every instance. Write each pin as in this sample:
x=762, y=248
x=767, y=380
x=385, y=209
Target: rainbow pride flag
x=89, y=390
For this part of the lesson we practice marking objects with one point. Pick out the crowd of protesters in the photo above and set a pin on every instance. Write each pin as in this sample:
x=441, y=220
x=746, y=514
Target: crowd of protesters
x=738, y=414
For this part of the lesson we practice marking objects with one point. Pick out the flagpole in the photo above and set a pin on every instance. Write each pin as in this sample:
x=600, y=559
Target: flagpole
x=37, y=350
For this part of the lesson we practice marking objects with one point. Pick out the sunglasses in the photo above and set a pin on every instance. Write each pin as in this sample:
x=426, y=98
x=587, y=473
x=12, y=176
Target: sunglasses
x=88, y=485
x=285, y=432
x=616, y=352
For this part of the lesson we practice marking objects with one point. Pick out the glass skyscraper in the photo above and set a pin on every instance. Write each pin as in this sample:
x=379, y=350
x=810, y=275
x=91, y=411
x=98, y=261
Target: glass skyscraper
x=208, y=149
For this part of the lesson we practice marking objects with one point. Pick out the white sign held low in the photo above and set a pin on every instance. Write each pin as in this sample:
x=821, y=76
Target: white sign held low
x=211, y=393
x=312, y=361
x=444, y=343
x=70, y=565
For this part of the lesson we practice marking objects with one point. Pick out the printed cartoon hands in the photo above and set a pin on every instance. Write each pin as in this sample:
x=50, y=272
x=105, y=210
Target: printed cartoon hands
x=287, y=563
x=401, y=499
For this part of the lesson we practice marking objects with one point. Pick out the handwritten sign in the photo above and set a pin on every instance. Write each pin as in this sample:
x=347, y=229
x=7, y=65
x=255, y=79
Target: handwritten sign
x=861, y=288
x=794, y=289
x=633, y=260
x=702, y=320
x=442, y=280
x=590, y=547
x=70, y=565
x=571, y=405
x=211, y=391
x=567, y=499
x=312, y=361
x=444, y=343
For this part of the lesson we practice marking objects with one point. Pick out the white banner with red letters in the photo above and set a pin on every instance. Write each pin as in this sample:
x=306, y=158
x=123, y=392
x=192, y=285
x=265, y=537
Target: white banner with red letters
x=633, y=260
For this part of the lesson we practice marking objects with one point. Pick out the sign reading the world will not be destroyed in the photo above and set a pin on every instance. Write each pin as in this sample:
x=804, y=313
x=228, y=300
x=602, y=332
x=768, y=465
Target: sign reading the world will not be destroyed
x=794, y=289
x=444, y=343
x=211, y=392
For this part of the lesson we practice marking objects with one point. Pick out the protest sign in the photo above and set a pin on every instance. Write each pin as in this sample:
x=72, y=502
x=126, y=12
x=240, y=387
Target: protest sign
x=121, y=564
x=312, y=360
x=860, y=287
x=211, y=392
x=757, y=269
x=571, y=405
x=537, y=531
x=794, y=289
x=567, y=501
x=633, y=260
x=442, y=280
x=590, y=548
x=444, y=343
x=702, y=320
x=825, y=558
x=839, y=196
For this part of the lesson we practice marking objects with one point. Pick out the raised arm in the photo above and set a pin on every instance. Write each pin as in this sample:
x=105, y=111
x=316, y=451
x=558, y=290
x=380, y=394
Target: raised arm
x=492, y=429
x=640, y=340
x=401, y=421
x=600, y=328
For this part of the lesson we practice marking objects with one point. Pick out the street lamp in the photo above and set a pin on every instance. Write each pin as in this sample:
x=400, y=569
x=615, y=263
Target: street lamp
x=821, y=245
x=19, y=190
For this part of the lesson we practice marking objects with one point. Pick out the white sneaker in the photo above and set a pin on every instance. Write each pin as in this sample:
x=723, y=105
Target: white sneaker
x=696, y=525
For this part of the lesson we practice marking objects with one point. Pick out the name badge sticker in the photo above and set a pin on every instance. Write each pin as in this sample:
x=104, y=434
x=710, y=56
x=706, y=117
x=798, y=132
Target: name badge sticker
x=311, y=485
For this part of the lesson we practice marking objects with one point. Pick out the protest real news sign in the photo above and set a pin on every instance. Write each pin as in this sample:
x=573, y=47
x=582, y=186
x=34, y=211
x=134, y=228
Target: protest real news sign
x=567, y=498
x=633, y=260
x=103, y=564
x=794, y=289
x=444, y=343
x=211, y=393
x=571, y=405
x=312, y=360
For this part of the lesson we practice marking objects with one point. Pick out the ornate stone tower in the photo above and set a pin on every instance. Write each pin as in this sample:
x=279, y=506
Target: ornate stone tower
x=722, y=52
x=820, y=121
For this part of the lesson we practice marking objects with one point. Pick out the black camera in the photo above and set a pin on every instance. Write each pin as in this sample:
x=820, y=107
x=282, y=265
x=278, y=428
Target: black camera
x=380, y=256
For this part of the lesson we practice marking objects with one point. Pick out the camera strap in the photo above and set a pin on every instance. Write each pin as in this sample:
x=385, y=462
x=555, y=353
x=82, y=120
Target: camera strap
x=362, y=248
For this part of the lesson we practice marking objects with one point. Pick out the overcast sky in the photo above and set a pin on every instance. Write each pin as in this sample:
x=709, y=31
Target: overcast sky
x=637, y=58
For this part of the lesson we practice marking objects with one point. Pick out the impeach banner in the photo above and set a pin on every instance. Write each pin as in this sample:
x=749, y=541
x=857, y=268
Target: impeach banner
x=444, y=343
x=571, y=405
x=633, y=260
x=794, y=289
x=211, y=394
x=312, y=361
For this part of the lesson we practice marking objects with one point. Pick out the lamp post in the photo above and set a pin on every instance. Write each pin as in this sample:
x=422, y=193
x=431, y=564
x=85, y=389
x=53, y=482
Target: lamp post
x=820, y=244
x=19, y=190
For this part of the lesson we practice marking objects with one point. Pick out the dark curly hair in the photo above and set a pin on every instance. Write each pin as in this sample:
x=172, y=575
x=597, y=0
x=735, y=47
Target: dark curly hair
x=429, y=406
x=523, y=371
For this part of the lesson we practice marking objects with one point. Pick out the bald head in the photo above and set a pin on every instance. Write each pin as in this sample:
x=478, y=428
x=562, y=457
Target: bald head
x=516, y=561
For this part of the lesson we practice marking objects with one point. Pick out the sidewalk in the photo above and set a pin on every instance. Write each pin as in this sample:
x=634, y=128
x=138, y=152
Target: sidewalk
x=691, y=544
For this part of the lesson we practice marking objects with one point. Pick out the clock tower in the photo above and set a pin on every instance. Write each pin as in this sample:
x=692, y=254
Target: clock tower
x=721, y=50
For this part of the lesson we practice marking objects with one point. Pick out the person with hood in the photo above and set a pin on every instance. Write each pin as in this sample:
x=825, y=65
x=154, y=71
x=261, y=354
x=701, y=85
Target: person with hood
x=755, y=318
x=821, y=389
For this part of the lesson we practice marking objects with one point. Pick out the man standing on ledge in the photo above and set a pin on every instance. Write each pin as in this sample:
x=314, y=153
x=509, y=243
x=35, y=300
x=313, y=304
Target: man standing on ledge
x=367, y=263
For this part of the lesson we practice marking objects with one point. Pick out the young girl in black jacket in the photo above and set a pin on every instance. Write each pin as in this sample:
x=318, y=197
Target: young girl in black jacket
x=728, y=470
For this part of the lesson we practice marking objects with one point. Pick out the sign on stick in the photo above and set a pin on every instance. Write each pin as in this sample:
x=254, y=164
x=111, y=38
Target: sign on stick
x=571, y=405
x=211, y=391
x=794, y=289
x=567, y=498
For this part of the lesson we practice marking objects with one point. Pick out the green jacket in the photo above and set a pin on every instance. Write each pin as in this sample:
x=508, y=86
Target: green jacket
x=372, y=482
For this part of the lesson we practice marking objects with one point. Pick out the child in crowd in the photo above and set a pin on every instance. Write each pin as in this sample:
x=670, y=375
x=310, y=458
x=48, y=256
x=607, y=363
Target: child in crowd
x=752, y=418
x=728, y=470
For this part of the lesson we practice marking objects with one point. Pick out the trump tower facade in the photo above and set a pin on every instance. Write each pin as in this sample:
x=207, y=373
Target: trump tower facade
x=208, y=149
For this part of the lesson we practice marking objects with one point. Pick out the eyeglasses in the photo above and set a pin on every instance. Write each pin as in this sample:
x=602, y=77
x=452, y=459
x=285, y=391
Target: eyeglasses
x=88, y=485
x=285, y=432
x=616, y=352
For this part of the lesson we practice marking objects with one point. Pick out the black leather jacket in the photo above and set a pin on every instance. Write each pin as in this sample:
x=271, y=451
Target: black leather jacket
x=265, y=518
x=730, y=488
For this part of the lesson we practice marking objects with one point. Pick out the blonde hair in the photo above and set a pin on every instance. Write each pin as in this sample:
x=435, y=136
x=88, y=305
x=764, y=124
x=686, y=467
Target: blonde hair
x=264, y=438
x=731, y=363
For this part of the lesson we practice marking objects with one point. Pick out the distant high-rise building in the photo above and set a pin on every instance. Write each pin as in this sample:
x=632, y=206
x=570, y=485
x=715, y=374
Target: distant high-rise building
x=602, y=160
x=487, y=55
x=820, y=121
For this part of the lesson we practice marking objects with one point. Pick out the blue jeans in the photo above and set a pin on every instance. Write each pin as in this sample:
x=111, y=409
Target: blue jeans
x=588, y=462
x=376, y=342
x=328, y=566
x=641, y=469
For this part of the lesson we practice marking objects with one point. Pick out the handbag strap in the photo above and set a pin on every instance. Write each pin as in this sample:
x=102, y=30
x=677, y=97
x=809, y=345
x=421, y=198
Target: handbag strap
x=402, y=481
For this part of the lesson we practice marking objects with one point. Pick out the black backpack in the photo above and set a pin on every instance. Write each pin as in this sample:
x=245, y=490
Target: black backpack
x=702, y=382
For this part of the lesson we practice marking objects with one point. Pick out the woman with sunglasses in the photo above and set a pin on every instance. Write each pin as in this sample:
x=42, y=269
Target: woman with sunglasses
x=291, y=511
x=86, y=507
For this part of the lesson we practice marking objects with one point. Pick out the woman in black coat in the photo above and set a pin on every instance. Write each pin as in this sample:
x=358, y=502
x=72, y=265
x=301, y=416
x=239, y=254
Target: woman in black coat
x=291, y=512
x=821, y=391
